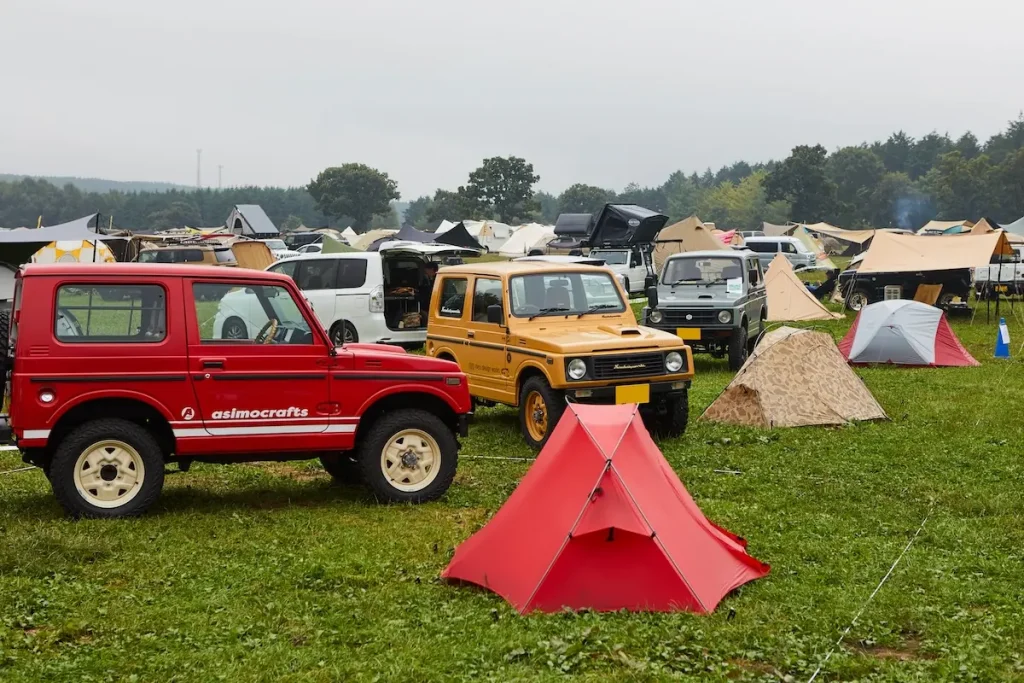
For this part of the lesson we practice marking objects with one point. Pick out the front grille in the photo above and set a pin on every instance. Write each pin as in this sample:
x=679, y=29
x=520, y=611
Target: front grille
x=632, y=365
x=677, y=317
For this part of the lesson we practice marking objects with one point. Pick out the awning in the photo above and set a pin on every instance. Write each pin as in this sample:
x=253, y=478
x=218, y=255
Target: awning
x=892, y=252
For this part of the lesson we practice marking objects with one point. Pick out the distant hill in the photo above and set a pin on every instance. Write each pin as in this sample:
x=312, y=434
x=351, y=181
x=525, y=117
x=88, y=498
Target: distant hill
x=99, y=185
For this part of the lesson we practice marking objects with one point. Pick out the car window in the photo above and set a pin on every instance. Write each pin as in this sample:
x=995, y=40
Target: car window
x=564, y=294
x=248, y=314
x=316, y=273
x=788, y=248
x=453, y=297
x=351, y=273
x=114, y=313
x=612, y=258
x=486, y=293
x=763, y=247
x=698, y=270
x=754, y=272
x=285, y=268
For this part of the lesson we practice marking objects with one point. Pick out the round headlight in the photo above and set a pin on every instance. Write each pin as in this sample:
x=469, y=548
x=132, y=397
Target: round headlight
x=674, y=361
x=655, y=316
x=724, y=316
x=577, y=368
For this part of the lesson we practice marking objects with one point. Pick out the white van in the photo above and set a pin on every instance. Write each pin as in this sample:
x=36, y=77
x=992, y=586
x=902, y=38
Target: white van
x=361, y=296
x=767, y=247
x=632, y=265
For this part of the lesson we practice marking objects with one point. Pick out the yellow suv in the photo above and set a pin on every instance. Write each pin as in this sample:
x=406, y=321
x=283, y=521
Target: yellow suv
x=535, y=335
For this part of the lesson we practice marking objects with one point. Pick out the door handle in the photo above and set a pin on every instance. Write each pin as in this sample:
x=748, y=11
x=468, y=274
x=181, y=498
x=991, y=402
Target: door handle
x=471, y=334
x=213, y=363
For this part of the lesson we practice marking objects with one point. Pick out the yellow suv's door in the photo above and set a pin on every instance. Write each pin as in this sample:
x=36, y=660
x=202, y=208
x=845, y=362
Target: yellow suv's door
x=486, y=365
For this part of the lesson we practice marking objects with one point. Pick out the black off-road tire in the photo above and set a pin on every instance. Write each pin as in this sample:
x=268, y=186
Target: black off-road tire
x=738, y=349
x=5, y=332
x=855, y=298
x=343, y=467
x=554, y=402
x=675, y=419
x=371, y=445
x=85, y=435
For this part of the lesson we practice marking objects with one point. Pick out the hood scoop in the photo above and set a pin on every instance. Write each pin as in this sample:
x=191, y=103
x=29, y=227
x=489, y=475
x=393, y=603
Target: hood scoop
x=631, y=331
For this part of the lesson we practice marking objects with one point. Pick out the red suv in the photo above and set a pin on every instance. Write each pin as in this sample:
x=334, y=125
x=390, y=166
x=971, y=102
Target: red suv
x=116, y=369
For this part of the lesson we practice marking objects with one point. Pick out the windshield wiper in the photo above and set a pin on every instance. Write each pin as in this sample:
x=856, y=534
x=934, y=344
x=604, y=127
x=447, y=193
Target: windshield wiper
x=548, y=311
x=594, y=309
x=686, y=280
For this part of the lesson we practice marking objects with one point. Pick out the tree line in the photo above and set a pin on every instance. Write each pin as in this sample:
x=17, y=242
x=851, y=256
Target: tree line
x=899, y=182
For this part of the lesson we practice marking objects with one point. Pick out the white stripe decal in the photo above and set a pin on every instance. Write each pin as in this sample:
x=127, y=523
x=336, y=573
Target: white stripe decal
x=36, y=434
x=267, y=430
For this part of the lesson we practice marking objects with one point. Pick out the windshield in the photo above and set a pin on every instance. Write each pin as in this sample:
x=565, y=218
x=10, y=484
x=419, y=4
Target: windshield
x=612, y=258
x=275, y=244
x=706, y=270
x=564, y=294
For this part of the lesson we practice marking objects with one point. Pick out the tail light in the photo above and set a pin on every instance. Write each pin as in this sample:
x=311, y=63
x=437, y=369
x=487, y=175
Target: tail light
x=377, y=299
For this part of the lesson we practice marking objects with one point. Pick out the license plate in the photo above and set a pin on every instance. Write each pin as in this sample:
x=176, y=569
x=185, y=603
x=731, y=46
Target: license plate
x=633, y=393
x=688, y=333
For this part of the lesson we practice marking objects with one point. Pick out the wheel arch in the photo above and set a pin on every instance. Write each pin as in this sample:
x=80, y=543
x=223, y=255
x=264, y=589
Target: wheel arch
x=420, y=399
x=154, y=418
x=529, y=369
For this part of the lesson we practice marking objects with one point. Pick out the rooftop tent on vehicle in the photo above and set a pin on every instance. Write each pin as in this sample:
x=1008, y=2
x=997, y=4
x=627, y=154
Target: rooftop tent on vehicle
x=457, y=237
x=601, y=522
x=794, y=378
x=901, y=332
x=250, y=220
x=625, y=225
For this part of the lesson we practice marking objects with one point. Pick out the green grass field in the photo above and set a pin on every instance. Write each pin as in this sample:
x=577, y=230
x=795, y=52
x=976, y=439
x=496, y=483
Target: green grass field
x=269, y=572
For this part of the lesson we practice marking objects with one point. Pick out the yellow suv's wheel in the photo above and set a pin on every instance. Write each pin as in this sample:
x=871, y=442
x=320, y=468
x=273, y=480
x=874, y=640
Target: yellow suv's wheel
x=540, y=408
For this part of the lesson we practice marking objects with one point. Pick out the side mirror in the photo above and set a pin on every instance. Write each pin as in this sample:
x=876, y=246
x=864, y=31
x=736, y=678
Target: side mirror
x=652, y=297
x=650, y=281
x=494, y=314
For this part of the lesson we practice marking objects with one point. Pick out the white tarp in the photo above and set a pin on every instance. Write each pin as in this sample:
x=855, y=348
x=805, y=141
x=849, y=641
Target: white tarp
x=526, y=238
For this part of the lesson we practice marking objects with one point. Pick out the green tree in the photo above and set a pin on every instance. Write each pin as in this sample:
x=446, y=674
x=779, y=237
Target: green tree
x=354, y=190
x=962, y=188
x=855, y=172
x=653, y=198
x=177, y=215
x=968, y=145
x=896, y=201
x=926, y=152
x=1010, y=186
x=682, y=195
x=801, y=180
x=547, y=203
x=580, y=198
x=506, y=183
x=290, y=224
x=742, y=205
x=456, y=206
x=416, y=213
x=895, y=152
x=1002, y=145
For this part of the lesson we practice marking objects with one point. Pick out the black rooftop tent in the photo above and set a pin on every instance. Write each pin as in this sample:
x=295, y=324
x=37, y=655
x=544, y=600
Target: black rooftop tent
x=459, y=237
x=625, y=225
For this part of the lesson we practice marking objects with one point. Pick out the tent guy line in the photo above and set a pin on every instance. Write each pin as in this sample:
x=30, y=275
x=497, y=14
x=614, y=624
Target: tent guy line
x=871, y=597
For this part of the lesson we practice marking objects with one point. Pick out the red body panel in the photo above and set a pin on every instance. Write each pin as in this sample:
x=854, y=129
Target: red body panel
x=219, y=398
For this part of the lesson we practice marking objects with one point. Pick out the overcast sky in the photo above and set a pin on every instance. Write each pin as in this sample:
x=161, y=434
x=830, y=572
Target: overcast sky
x=589, y=91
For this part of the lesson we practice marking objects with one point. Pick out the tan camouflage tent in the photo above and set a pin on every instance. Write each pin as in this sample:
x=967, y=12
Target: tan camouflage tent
x=689, y=234
x=788, y=298
x=794, y=378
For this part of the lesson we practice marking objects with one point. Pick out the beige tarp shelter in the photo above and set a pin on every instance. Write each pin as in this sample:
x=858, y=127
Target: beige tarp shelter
x=933, y=227
x=855, y=236
x=981, y=227
x=773, y=230
x=689, y=234
x=794, y=378
x=815, y=245
x=893, y=252
x=368, y=238
x=788, y=298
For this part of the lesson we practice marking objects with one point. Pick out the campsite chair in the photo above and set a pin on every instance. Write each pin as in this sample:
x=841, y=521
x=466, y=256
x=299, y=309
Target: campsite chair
x=731, y=272
x=556, y=297
x=928, y=294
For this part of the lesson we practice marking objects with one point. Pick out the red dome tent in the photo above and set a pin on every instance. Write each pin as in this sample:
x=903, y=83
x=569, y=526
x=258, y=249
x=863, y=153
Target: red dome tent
x=901, y=332
x=602, y=522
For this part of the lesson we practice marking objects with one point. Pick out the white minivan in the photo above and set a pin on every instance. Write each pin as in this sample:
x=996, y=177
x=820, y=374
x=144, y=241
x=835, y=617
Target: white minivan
x=767, y=247
x=360, y=296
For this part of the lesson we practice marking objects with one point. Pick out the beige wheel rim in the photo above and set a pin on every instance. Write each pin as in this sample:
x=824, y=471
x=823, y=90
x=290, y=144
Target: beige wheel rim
x=109, y=474
x=536, y=416
x=410, y=460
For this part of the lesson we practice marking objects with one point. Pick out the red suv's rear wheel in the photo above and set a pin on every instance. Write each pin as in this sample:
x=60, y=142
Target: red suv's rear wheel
x=107, y=468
